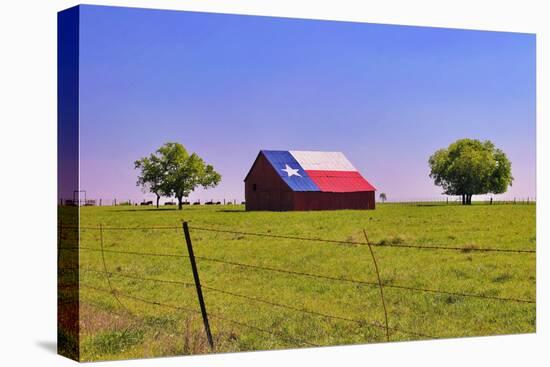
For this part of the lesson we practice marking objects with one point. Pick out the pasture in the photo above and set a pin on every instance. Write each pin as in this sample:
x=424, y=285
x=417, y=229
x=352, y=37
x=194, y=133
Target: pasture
x=246, y=305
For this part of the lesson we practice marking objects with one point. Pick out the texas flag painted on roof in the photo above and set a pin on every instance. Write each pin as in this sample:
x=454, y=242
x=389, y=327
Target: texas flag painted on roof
x=317, y=171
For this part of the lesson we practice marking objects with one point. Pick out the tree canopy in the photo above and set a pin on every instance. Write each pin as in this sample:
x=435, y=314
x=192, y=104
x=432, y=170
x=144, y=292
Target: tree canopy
x=470, y=167
x=172, y=171
x=151, y=176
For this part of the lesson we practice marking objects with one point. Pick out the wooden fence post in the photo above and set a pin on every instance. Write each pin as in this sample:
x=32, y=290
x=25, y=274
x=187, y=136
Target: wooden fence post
x=198, y=284
x=59, y=236
x=379, y=284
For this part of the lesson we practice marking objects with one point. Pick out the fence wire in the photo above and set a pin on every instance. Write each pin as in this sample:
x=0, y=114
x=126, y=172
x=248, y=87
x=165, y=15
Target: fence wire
x=215, y=315
x=117, y=294
x=305, y=274
x=251, y=298
x=314, y=239
x=341, y=242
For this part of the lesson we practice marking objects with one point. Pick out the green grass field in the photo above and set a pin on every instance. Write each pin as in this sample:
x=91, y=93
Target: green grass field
x=131, y=328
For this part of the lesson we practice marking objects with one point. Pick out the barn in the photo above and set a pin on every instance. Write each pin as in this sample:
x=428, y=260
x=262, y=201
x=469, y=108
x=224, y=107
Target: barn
x=302, y=180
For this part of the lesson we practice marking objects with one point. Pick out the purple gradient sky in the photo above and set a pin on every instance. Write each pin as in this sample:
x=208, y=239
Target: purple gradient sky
x=227, y=86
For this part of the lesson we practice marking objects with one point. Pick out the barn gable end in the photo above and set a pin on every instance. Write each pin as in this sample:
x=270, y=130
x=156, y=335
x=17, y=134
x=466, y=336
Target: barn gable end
x=264, y=188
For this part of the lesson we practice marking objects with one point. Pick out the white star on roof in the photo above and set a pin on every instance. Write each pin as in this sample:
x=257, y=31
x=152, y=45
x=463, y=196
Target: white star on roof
x=291, y=171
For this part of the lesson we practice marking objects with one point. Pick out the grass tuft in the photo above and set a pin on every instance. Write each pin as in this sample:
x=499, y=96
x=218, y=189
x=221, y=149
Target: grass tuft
x=112, y=342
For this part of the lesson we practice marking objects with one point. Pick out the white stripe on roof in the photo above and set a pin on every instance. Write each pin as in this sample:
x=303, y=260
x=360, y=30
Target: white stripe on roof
x=322, y=161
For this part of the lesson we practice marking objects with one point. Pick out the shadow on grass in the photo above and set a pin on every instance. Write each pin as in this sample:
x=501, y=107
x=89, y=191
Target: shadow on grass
x=147, y=210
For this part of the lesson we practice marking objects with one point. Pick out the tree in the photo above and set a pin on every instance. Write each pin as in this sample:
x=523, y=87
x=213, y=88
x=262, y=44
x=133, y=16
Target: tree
x=470, y=167
x=183, y=172
x=151, y=176
x=383, y=196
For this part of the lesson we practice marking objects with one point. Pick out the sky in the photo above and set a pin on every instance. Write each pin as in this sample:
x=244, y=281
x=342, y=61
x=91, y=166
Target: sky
x=227, y=86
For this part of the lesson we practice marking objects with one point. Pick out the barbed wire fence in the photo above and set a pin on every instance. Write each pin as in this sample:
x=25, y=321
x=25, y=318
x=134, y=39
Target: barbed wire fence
x=206, y=315
x=451, y=200
x=458, y=202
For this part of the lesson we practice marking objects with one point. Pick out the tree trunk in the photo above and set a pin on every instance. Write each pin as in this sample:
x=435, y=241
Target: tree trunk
x=158, y=198
x=463, y=199
x=180, y=202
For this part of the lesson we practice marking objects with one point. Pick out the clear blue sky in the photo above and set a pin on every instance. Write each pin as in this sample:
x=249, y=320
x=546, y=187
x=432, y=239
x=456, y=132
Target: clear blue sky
x=226, y=86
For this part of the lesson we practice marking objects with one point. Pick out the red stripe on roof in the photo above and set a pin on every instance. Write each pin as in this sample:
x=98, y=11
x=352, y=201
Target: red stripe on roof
x=340, y=181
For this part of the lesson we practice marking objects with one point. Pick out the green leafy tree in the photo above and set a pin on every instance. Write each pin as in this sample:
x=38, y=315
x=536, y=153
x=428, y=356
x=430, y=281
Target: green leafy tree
x=470, y=167
x=383, y=197
x=151, y=176
x=184, y=172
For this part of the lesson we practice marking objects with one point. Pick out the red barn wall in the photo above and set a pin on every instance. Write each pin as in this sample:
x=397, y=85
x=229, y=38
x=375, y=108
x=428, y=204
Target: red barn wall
x=333, y=200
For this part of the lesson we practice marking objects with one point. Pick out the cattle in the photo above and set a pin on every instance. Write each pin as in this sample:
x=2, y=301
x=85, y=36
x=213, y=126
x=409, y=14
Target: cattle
x=150, y=202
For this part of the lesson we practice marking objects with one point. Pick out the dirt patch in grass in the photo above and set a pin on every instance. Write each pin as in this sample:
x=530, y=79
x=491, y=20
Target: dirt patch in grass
x=501, y=278
x=394, y=240
x=94, y=320
x=469, y=248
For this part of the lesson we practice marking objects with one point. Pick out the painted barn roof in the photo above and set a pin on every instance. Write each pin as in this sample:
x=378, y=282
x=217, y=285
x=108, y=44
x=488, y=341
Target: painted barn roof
x=317, y=171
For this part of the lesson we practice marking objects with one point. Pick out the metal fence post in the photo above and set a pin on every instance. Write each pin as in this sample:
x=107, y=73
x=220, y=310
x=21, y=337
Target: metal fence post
x=198, y=284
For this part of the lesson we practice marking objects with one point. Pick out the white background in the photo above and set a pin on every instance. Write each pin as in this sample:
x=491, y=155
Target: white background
x=28, y=181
